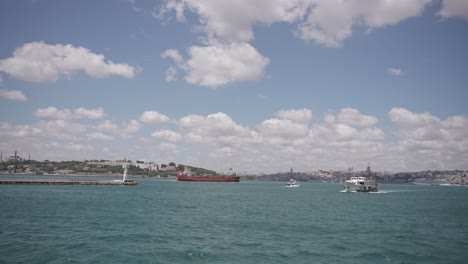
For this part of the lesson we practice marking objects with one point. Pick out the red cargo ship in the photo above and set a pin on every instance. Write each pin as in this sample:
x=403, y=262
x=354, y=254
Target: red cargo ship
x=186, y=176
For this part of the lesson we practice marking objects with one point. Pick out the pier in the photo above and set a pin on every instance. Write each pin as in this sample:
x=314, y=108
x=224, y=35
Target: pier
x=66, y=182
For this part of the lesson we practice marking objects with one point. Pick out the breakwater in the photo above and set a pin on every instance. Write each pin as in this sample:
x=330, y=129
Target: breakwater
x=66, y=182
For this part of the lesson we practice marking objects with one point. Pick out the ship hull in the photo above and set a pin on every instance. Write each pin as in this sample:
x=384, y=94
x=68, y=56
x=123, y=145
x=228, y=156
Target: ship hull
x=352, y=187
x=208, y=179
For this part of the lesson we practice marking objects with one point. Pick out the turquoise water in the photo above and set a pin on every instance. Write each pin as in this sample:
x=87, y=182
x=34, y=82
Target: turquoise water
x=162, y=221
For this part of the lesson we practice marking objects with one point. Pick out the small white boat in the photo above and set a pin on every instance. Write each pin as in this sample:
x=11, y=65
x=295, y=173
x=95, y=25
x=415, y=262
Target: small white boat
x=292, y=183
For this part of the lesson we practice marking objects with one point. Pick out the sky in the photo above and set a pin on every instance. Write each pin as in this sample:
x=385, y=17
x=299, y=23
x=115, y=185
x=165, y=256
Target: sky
x=257, y=86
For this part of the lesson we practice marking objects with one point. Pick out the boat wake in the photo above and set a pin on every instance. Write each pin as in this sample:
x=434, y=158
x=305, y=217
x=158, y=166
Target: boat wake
x=379, y=192
x=354, y=191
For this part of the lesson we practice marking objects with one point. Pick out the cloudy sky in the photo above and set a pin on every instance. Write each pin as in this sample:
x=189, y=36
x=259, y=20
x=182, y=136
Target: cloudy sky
x=257, y=86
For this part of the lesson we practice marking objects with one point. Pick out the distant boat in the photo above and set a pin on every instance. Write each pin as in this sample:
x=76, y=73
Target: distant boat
x=424, y=181
x=360, y=184
x=292, y=184
x=187, y=176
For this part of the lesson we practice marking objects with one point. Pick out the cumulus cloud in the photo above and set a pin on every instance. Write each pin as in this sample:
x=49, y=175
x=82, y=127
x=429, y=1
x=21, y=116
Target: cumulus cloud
x=233, y=20
x=426, y=140
x=108, y=126
x=171, y=74
x=217, y=129
x=63, y=129
x=353, y=117
x=13, y=95
x=297, y=115
x=327, y=22
x=219, y=64
x=79, y=113
x=83, y=113
x=99, y=136
x=290, y=138
x=22, y=131
x=395, y=72
x=454, y=8
x=167, y=135
x=78, y=147
x=426, y=127
x=282, y=129
x=226, y=29
x=52, y=112
x=129, y=128
x=174, y=55
x=331, y=22
x=42, y=62
x=153, y=117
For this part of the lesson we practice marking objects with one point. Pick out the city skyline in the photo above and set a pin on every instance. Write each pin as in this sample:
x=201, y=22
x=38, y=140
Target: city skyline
x=258, y=87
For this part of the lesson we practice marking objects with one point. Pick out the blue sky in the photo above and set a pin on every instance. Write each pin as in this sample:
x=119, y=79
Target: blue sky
x=258, y=86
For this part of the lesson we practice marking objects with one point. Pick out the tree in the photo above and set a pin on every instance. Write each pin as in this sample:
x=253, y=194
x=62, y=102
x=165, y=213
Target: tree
x=172, y=164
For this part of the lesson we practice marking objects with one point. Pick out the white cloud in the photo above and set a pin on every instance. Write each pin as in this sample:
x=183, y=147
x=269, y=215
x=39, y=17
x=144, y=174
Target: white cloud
x=129, y=128
x=216, y=129
x=171, y=74
x=282, y=128
x=78, y=147
x=153, y=117
x=233, y=20
x=353, y=117
x=296, y=115
x=63, y=129
x=454, y=8
x=167, y=146
x=426, y=127
x=83, y=113
x=108, y=126
x=52, y=112
x=99, y=136
x=290, y=138
x=220, y=64
x=79, y=113
x=22, y=131
x=327, y=22
x=174, y=55
x=226, y=28
x=13, y=95
x=330, y=22
x=42, y=62
x=168, y=135
x=426, y=141
x=395, y=72
x=409, y=120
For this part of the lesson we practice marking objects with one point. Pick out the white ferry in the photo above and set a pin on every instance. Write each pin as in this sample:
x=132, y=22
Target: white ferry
x=360, y=184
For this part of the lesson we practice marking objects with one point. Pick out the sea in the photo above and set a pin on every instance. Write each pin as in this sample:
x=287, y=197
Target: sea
x=166, y=221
